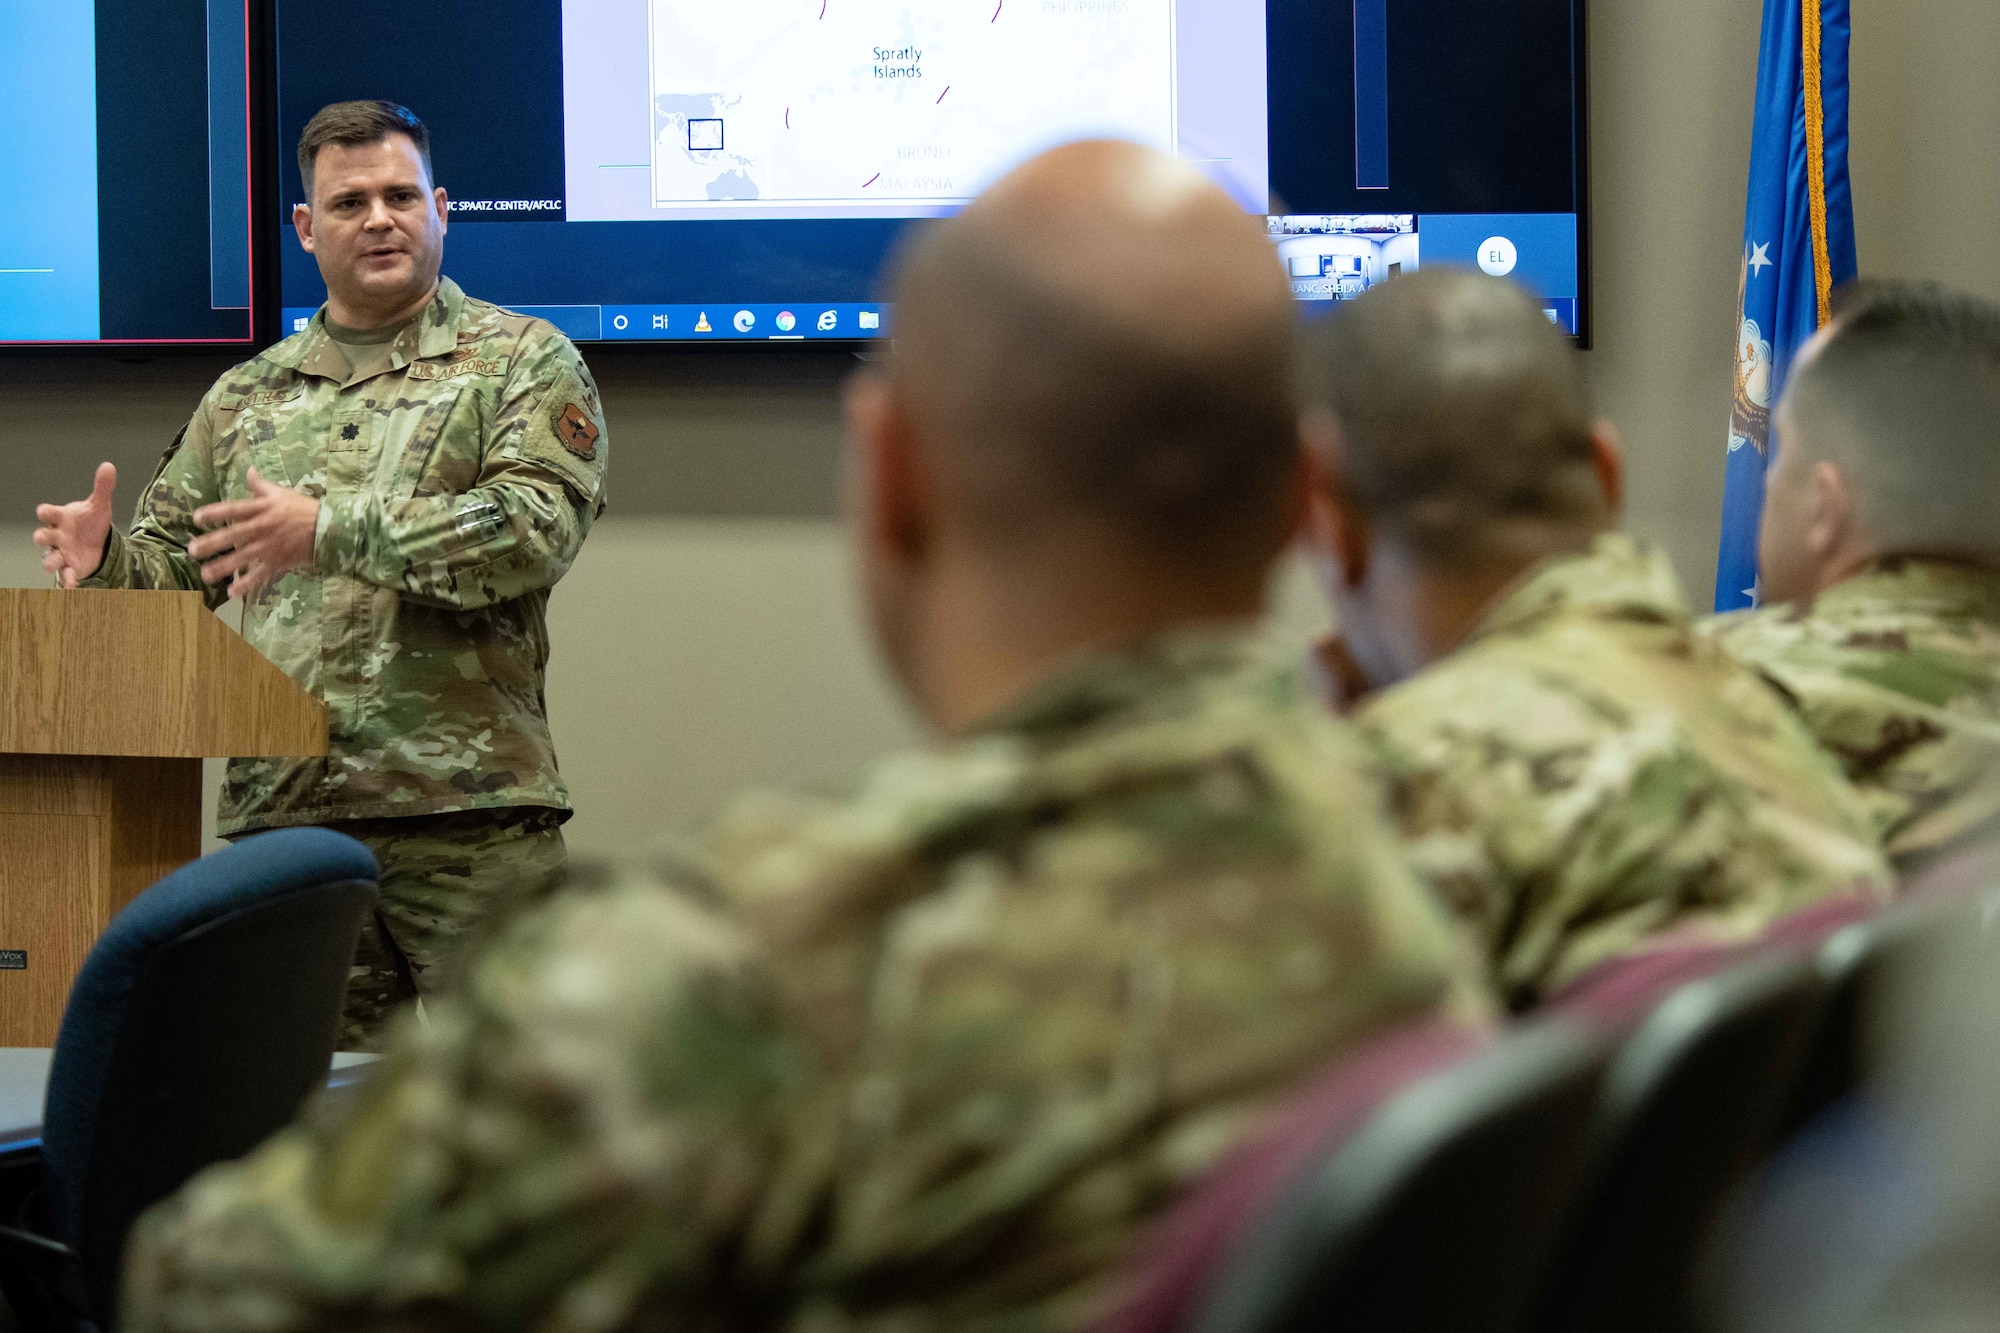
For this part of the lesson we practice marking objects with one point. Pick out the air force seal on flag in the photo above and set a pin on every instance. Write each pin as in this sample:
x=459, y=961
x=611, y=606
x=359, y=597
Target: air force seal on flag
x=1753, y=370
x=1750, y=407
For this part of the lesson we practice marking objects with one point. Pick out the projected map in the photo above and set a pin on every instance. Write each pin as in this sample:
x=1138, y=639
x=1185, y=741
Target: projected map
x=855, y=101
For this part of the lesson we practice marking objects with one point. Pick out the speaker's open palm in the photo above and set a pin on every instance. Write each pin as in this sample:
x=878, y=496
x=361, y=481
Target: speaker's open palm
x=73, y=536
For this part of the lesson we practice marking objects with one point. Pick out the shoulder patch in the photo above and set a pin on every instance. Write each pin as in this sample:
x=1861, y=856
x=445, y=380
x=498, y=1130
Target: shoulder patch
x=578, y=433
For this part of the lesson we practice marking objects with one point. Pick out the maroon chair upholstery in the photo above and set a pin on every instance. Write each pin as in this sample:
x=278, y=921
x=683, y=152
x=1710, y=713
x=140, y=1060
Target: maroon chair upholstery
x=1192, y=1243
x=1811, y=926
x=1620, y=992
x=1415, y=1185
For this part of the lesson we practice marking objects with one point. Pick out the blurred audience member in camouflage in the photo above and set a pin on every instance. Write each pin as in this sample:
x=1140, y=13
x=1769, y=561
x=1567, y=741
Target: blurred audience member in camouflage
x=1575, y=769
x=1880, y=559
x=930, y=1057
x=392, y=492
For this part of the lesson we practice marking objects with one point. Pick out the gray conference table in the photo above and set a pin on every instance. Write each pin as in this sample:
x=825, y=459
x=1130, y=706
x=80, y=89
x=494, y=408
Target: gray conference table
x=24, y=1079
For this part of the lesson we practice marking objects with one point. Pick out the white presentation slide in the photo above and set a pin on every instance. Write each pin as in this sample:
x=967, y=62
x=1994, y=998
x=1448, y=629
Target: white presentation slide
x=790, y=102
x=800, y=109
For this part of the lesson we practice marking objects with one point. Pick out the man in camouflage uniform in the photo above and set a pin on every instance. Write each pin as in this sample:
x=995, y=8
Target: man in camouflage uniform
x=1576, y=771
x=928, y=1058
x=1880, y=554
x=392, y=493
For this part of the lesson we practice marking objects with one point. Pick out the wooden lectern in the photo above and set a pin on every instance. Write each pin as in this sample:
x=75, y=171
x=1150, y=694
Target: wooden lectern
x=109, y=701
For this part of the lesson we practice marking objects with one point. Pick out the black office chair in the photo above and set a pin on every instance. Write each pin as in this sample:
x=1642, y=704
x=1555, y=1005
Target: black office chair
x=202, y=1018
x=1691, y=1098
x=1436, y=1216
x=1852, y=967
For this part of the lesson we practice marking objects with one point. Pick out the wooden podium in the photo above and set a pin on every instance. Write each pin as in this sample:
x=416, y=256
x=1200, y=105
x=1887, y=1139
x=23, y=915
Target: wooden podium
x=109, y=701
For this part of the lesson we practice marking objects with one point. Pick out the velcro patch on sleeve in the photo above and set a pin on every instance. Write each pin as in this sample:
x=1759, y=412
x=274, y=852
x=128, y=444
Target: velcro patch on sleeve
x=567, y=436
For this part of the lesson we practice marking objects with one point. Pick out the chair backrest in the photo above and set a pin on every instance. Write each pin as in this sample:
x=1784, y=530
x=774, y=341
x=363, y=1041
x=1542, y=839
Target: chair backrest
x=1436, y=1213
x=1616, y=996
x=1181, y=1256
x=1619, y=993
x=1973, y=869
x=1690, y=1098
x=203, y=1016
x=1853, y=964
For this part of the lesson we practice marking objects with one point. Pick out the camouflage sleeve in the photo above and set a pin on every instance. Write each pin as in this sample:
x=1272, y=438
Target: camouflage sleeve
x=1565, y=833
x=517, y=530
x=154, y=553
x=571, y=1142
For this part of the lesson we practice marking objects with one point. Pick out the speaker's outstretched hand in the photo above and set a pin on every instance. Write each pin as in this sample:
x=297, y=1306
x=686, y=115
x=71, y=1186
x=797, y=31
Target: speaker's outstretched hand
x=73, y=536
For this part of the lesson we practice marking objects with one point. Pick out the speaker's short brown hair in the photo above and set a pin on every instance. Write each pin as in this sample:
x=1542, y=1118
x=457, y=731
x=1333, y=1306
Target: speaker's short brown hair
x=353, y=124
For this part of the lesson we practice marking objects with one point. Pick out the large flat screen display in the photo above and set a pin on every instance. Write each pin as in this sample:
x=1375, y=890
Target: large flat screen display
x=125, y=170
x=737, y=170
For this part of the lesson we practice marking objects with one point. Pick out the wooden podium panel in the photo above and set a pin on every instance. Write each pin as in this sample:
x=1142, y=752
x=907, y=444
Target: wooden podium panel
x=109, y=701
x=80, y=836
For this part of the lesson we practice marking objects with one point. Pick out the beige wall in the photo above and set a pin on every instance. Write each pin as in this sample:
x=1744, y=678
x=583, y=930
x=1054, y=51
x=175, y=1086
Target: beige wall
x=707, y=637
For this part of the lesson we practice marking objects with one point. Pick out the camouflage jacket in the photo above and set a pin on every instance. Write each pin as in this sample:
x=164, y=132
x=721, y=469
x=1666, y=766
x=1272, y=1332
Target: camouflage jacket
x=1586, y=772
x=454, y=491
x=1897, y=671
x=924, y=1059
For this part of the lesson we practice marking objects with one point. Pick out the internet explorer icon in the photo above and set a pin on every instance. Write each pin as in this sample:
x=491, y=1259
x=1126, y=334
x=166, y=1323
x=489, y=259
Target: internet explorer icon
x=827, y=319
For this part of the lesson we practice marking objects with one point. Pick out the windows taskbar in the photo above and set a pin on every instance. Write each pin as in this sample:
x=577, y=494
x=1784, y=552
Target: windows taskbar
x=759, y=322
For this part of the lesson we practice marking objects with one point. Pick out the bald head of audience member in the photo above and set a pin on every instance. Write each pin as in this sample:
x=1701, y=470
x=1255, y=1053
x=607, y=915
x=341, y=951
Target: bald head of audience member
x=1887, y=439
x=1452, y=446
x=1083, y=435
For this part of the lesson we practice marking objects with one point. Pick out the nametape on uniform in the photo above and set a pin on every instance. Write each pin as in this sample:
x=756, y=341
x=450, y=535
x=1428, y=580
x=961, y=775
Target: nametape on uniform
x=256, y=398
x=459, y=369
x=13, y=960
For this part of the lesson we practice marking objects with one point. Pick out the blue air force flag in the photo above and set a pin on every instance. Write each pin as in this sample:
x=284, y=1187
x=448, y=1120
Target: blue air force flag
x=1798, y=245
